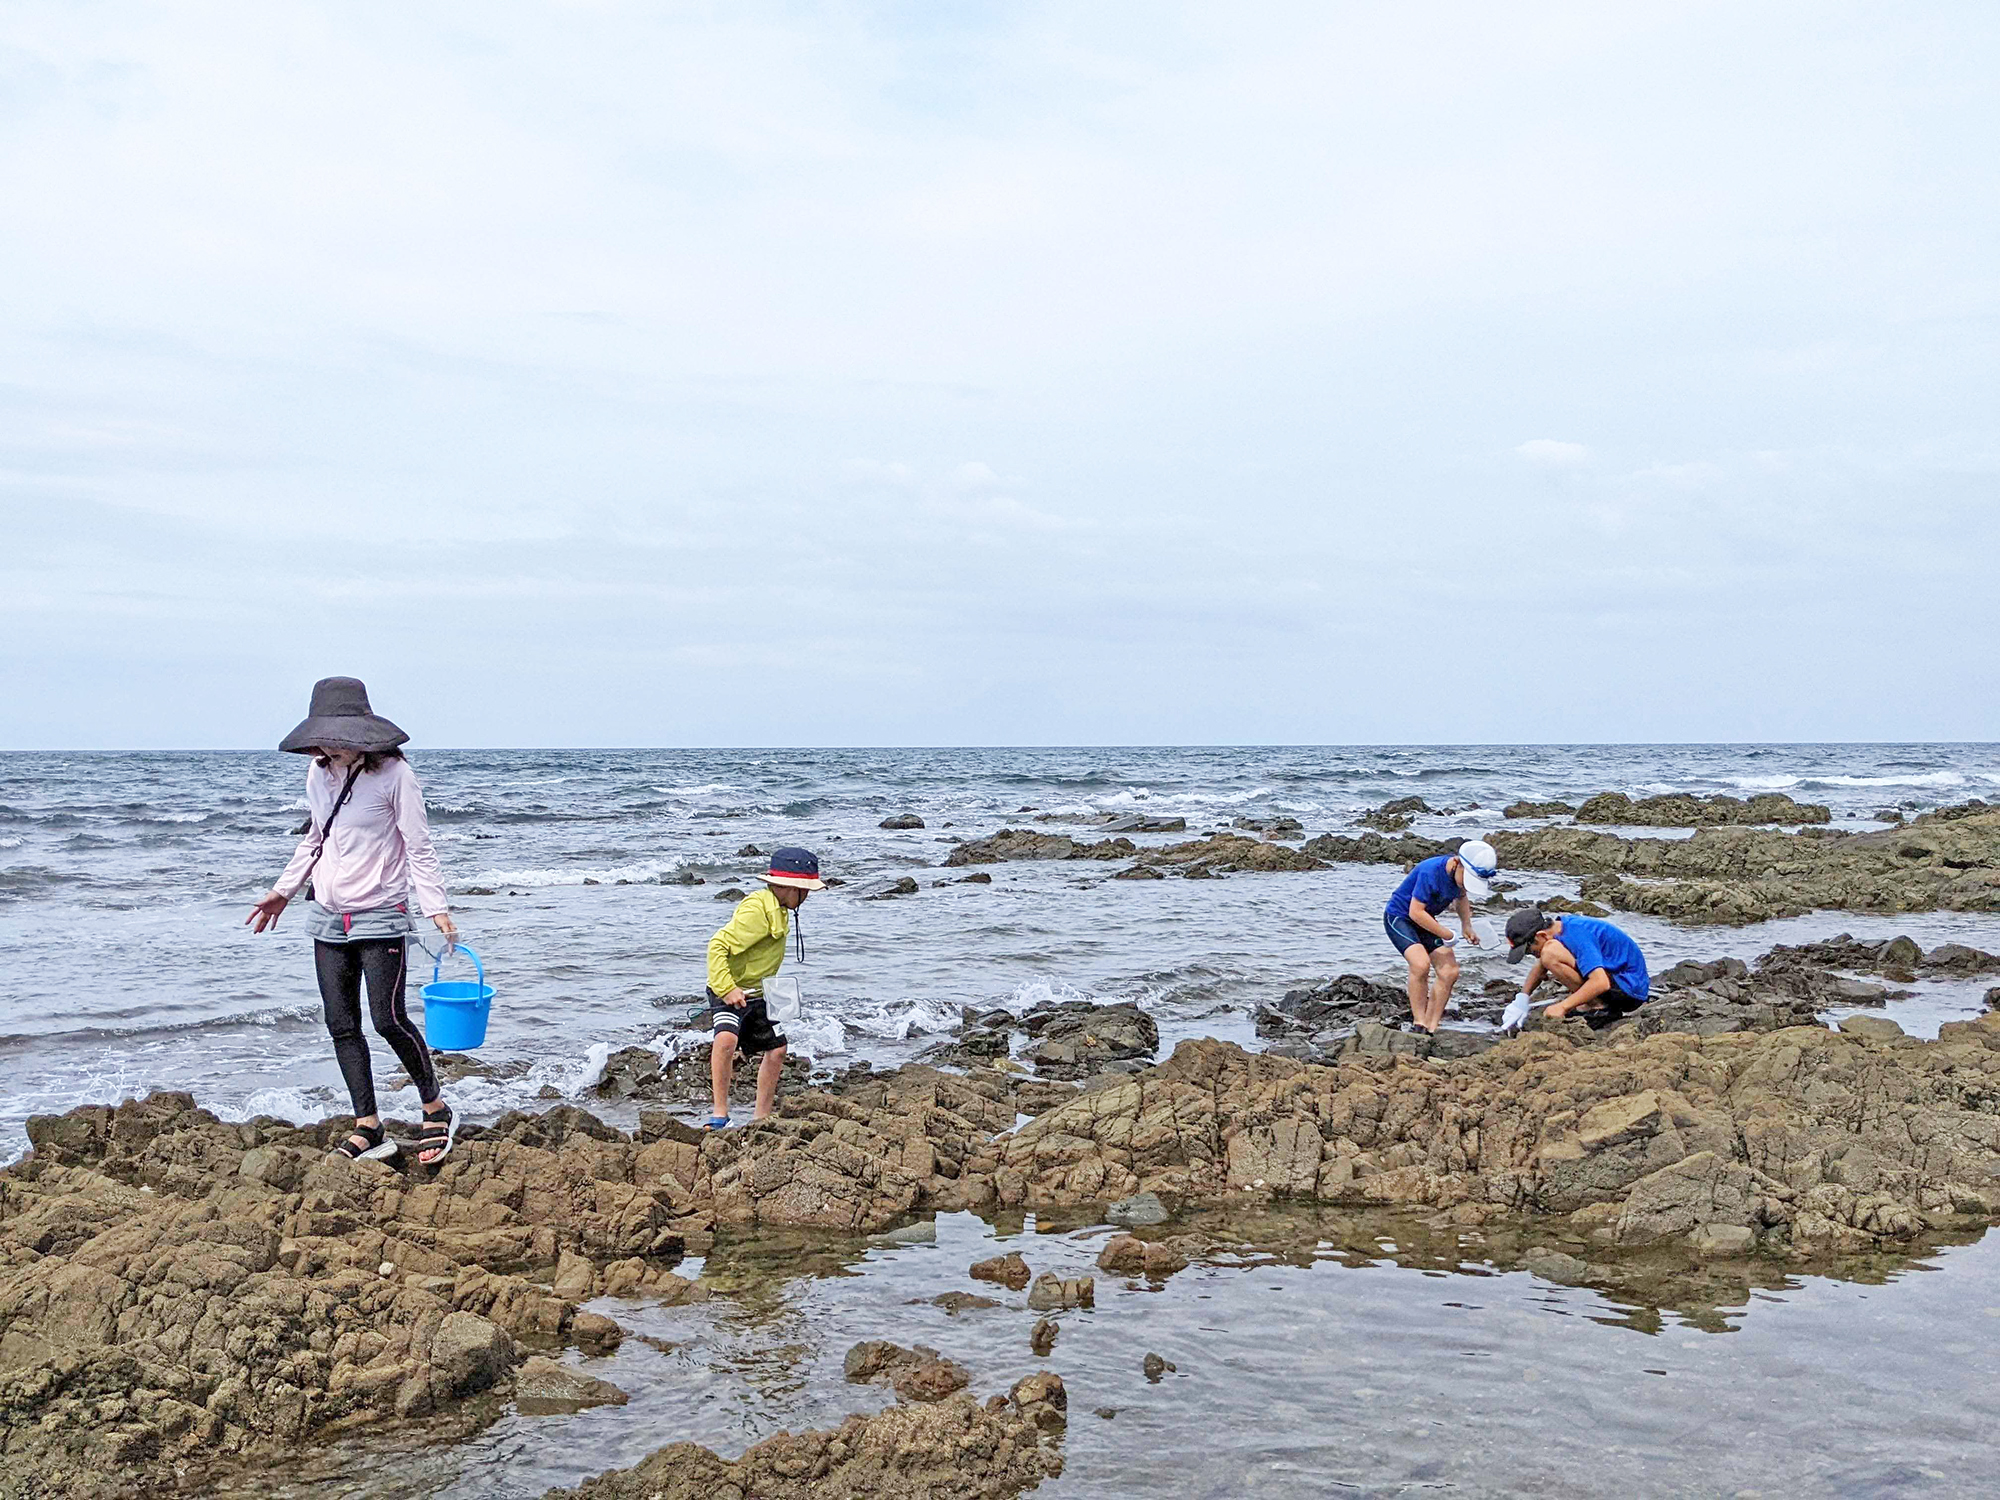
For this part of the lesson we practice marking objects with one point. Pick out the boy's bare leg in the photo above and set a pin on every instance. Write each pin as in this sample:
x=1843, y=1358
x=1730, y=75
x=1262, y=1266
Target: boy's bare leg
x=1419, y=980
x=1444, y=974
x=721, y=1063
x=768, y=1072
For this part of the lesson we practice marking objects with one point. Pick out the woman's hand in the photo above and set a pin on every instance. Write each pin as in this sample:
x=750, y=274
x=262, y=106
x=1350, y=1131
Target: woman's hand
x=448, y=927
x=265, y=912
x=1471, y=936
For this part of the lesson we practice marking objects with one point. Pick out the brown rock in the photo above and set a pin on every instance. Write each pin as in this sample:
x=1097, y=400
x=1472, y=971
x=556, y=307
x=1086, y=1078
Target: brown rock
x=545, y=1387
x=1042, y=1338
x=470, y=1353
x=948, y=1448
x=1051, y=1293
x=1679, y=810
x=918, y=1374
x=1008, y=1270
x=1129, y=1255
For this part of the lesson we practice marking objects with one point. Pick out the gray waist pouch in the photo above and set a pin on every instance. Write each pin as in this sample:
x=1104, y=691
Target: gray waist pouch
x=374, y=925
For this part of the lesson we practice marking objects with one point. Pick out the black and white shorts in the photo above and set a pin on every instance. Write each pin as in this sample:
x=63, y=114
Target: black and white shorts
x=751, y=1026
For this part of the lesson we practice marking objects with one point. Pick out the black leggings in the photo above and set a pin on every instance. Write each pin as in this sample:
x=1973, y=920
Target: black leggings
x=385, y=962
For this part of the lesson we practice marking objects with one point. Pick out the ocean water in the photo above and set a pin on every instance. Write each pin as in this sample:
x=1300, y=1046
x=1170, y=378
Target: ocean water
x=125, y=879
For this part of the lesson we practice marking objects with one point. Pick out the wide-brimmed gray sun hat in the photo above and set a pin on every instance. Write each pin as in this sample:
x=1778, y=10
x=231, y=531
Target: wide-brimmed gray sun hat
x=340, y=719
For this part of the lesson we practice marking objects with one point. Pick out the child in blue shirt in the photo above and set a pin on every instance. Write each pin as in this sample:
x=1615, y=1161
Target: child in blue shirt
x=1601, y=967
x=1414, y=922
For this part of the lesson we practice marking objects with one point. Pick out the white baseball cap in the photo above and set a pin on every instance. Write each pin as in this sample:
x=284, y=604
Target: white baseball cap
x=1477, y=864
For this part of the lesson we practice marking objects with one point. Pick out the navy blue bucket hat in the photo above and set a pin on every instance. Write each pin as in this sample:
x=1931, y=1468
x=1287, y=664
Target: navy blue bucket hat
x=799, y=867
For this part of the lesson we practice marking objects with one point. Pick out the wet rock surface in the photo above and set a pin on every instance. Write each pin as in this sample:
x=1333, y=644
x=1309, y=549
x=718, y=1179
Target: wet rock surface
x=1066, y=1040
x=638, y=1073
x=543, y=1386
x=919, y=1374
x=1077, y=1039
x=226, y=1281
x=1053, y=1293
x=951, y=1449
x=1007, y=1270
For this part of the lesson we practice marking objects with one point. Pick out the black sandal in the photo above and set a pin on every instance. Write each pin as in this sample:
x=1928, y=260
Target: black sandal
x=379, y=1147
x=438, y=1133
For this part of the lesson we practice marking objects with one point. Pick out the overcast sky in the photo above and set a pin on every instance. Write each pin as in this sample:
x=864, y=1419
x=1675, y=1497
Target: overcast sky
x=629, y=374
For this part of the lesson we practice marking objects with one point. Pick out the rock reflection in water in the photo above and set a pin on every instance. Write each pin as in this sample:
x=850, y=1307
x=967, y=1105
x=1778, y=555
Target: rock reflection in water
x=1315, y=1352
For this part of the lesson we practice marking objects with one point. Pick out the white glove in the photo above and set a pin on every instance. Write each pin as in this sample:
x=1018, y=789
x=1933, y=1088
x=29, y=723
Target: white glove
x=1516, y=1014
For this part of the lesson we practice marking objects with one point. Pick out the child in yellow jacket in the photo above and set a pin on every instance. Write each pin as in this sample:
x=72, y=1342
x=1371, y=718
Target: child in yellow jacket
x=745, y=952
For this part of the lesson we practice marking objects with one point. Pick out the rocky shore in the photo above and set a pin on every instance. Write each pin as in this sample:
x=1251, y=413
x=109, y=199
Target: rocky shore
x=1735, y=868
x=177, y=1288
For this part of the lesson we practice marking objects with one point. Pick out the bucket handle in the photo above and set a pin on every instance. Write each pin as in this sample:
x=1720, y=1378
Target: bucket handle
x=437, y=962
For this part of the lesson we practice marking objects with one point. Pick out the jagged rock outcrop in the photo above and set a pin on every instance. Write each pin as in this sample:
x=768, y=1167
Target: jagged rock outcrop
x=1373, y=849
x=1645, y=1138
x=1737, y=875
x=1118, y=822
x=1073, y=1039
x=1278, y=826
x=1226, y=853
x=176, y=1287
x=919, y=1374
x=952, y=1449
x=1026, y=843
x=1527, y=809
x=1733, y=874
x=1219, y=853
x=1680, y=810
x=1076, y=1039
x=1394, y=817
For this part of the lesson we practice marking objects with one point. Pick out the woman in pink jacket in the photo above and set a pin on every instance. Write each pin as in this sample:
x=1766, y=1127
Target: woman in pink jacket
x=366, y=852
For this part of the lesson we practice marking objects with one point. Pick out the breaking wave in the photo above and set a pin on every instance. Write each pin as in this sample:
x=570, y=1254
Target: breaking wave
x=633, y=874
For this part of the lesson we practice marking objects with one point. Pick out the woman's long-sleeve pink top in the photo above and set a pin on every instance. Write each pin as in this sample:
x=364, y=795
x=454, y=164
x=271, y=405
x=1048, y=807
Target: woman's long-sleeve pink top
x=379, y=852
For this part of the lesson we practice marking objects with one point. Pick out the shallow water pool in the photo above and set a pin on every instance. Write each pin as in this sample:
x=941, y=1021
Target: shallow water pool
x=1325, y=1353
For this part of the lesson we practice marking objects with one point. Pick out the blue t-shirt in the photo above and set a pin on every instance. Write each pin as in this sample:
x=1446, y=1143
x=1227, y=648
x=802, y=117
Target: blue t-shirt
x=1430, y=883
x=1599, y=945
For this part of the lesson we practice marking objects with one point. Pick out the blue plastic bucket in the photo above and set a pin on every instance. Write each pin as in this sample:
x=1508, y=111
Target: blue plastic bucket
x=455, y=1012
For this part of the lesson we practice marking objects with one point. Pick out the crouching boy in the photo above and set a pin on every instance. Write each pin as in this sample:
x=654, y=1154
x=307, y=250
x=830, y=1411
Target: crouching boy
x=741, y=956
